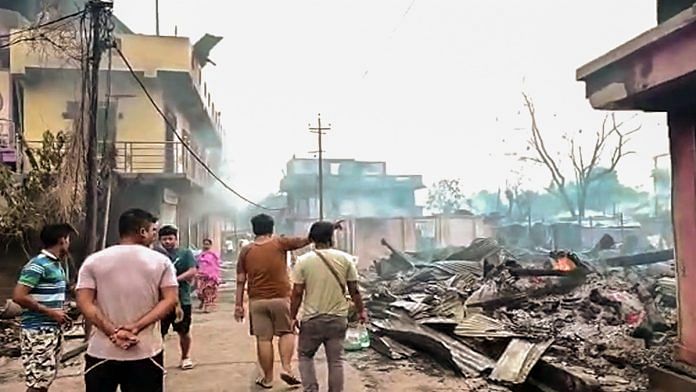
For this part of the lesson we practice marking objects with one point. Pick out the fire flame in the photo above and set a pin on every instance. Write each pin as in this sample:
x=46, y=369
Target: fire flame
x=564, y=264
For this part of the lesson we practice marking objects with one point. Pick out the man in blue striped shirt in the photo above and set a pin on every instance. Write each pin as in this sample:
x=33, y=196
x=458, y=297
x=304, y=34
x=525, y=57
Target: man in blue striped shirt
x=41, y=292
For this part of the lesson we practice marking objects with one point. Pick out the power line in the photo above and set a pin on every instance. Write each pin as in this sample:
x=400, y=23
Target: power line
x=43, y=25
x=183, y=142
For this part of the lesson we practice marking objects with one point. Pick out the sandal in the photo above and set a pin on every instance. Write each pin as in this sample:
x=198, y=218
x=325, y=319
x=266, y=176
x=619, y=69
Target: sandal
x=290, y=379
x=259, y=382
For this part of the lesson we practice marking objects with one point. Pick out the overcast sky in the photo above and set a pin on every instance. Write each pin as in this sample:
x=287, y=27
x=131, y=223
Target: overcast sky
x=431, y=87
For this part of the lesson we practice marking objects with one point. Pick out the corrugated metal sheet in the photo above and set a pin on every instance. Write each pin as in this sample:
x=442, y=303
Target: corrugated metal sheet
x=450, y=307
x=479, y=249
x=438, y=321
x=517, y=361
x=411, y=307
x=667, y=286
x=387, y=346
x=460, y=267
x=481, y=326
x=465, y=359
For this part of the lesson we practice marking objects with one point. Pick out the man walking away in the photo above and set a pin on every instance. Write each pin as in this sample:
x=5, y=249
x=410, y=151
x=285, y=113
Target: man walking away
x=320, y=279
x=124, y=291
x=263, y=263
x=185, y=264
x=41, y=292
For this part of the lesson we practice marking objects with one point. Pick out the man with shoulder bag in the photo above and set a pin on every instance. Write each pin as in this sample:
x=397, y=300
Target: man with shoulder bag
x=322, y=278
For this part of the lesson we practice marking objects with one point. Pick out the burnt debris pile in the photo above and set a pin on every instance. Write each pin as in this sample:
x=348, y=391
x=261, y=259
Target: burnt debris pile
x=514, y=317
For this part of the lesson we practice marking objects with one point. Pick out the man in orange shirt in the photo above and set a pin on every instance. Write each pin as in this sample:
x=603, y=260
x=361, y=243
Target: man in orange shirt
x=263, y=265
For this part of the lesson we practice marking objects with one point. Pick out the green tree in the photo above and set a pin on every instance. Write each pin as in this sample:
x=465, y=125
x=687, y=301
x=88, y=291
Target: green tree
x=48, y=190
x=446, y=196
x=663, y=189
x=485, y=202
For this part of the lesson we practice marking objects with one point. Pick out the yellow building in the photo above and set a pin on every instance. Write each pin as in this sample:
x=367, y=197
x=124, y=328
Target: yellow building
x=154, y=169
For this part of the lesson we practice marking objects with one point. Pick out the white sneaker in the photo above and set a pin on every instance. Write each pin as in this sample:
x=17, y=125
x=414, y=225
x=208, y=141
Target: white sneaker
x=187, y=364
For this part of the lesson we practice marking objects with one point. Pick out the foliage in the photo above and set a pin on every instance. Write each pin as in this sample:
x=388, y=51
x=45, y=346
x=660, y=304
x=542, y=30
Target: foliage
x=42, y=194
x=606, y=192
x=485, y=202
x=446, y=197
x=518, y=205
x=663, y=181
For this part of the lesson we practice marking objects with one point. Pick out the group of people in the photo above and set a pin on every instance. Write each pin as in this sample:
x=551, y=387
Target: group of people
x=312, y=302
x=130, y=294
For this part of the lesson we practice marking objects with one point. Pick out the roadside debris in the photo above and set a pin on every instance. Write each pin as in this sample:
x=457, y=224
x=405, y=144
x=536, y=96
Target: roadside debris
x=513, y=316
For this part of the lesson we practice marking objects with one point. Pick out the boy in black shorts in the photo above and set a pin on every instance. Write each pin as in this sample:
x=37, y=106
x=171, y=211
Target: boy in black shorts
x=185, y=265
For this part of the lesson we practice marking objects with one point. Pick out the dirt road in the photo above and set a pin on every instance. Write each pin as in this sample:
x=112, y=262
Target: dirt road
x=225, y=357
x=223, y=351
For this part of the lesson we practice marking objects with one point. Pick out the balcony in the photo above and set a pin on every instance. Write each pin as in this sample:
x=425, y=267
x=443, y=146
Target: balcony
x=172, y=60
x=153, y=161
x=162, y=160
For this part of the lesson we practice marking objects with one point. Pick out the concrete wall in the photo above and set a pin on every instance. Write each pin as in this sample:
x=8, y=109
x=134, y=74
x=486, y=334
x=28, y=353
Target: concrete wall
x=45, y=101
x=460, y=230
x=362, y=236
x=146, y=53
x=46, y=97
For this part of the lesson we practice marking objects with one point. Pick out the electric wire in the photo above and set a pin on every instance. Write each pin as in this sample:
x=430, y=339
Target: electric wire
x=183, y=141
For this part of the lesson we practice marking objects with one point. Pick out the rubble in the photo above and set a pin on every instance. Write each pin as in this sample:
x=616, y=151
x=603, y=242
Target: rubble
x=512, y=316
x=9, y=338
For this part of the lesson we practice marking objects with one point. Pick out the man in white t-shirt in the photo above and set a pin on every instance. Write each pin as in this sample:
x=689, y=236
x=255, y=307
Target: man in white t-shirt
x=320, y=279
x=124, y=291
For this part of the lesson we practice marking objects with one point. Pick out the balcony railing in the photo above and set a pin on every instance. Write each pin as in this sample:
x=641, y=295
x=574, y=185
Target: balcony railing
x=138, y=157
x=158, y=157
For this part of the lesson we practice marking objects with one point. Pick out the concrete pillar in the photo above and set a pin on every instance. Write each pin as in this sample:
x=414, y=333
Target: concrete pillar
x=682, y=134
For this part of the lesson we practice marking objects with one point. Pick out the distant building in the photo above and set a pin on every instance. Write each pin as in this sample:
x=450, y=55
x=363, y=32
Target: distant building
x=351, y=189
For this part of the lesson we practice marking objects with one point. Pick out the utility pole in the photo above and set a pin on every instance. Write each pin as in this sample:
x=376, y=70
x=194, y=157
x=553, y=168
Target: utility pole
x=320, y=131
x=98, y=11
x=157, y=29
x=657, y=202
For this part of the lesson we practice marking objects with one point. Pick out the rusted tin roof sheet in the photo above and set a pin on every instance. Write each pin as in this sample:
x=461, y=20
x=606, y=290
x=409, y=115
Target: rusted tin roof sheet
x=463, y=358
x=518, y=360
x=481, y=326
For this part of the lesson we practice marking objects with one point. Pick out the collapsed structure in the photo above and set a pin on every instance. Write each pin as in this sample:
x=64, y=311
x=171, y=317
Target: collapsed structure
x=513, y=317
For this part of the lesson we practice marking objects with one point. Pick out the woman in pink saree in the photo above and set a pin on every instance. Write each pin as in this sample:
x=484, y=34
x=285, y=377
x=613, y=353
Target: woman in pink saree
x=209, y=276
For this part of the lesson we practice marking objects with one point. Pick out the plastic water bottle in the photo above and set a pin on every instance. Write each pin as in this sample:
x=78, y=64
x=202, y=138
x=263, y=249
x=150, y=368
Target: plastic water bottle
x=364, y=337
x=357, y=338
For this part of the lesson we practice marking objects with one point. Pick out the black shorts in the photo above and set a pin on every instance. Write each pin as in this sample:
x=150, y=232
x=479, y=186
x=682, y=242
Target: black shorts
x=145, y=375
x=183, y=327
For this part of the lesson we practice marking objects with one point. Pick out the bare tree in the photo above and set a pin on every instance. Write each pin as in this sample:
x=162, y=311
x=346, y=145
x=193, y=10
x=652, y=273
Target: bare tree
x=609, y=145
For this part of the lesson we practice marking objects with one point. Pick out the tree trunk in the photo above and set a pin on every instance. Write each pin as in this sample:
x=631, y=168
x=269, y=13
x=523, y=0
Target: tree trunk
x=582, y=201
x=567, y=201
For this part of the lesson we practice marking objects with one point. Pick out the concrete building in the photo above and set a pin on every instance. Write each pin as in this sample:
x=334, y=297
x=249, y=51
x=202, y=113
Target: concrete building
x=42, y=88
x=656, y=72
x=351, y=189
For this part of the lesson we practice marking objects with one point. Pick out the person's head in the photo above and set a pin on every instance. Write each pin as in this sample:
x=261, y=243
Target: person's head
x=169, y=237
x=207, y=244
x=321, y=233
x=56, y=237
x=137, y=226
x=262, y=224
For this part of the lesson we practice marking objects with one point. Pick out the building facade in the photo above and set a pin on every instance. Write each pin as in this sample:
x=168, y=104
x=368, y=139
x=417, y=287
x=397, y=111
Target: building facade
x=40, y=88
x=351, y=189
